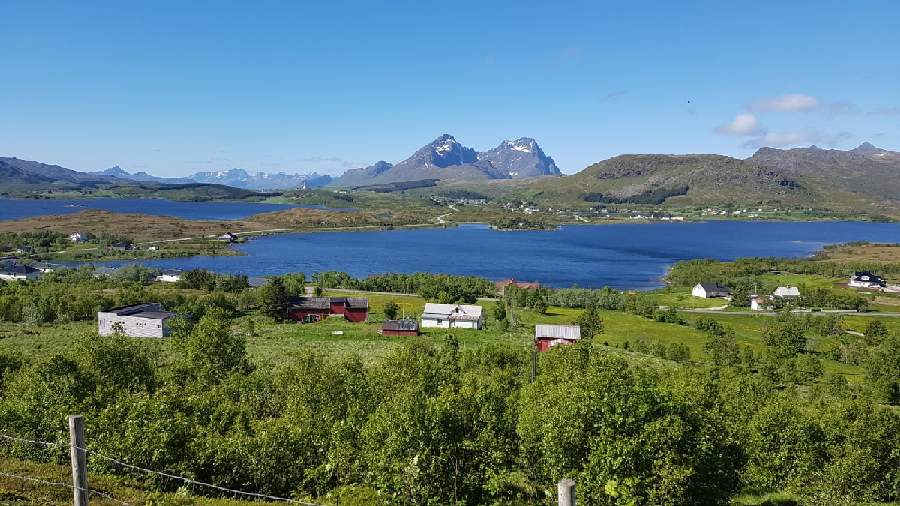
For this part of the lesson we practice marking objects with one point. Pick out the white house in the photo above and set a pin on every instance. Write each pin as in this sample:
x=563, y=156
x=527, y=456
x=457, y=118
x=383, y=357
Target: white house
x=866, y=280
x=457, y=316
x=169, y=276
x=77, y=237
x=228, y=237
x=787, y=292
x=143, y=320
x=710, y=290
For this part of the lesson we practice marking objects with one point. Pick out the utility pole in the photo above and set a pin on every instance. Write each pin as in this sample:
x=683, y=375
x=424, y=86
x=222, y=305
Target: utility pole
x=566, y=492
x=533, y=362
x=79, y=460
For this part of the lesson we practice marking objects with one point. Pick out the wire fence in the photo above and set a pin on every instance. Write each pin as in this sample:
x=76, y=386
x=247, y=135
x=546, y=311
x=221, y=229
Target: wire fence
x=132, y=467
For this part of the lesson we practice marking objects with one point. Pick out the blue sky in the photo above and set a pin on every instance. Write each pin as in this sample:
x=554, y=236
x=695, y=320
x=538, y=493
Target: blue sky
x=175, y=87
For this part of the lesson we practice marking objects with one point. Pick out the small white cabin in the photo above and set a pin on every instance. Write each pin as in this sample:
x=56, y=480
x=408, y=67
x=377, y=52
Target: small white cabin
x=455, y=316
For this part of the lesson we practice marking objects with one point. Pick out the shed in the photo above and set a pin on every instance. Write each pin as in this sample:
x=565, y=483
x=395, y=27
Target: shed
x=407, y=327
x=548, y=336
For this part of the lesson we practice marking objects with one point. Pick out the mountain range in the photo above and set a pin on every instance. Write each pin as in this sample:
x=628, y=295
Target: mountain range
x=446, y=159
x=865, y=179
x=237, y=178
x=25, y=177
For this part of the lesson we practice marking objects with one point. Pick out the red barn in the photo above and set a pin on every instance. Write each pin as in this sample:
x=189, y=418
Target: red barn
x=313, y=309
x=406, y=327
x=548, y=336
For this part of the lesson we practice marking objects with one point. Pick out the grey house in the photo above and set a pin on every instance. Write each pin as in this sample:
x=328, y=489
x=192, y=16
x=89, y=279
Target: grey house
x=143, y=320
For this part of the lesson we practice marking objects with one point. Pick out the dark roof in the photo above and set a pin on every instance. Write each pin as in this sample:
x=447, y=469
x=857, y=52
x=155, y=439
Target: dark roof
x=714, y=287
x=311, y=303
x=150, y=310
x=397, y=325
x=357, y=303
x=13, y=267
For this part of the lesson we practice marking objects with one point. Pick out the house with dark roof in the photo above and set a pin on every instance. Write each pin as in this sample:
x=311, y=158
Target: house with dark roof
x=12, y=270
x=710, y=290
x=407, y=327
x=142, y=320
x=866, y=279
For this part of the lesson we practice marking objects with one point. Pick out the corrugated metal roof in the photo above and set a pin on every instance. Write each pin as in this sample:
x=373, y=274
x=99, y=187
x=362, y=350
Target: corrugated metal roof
x=571, y=332
x=453, y=309
x=395, y=325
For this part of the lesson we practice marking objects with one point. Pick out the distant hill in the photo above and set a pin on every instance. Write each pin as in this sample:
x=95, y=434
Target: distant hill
x=865, y=170
x=22, y=178
x=685, y=179
x=237, y=178
x=865, y=179
x=446, y=159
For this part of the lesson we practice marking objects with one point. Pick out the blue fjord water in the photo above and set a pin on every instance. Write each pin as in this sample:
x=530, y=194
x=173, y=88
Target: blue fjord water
x=625, y=256
x=14, y=209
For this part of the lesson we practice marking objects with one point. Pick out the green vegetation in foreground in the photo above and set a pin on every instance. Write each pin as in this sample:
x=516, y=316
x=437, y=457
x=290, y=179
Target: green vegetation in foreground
x=695, y=408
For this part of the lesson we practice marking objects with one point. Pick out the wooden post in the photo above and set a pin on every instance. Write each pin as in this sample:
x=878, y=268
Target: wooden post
x=566, y=492
x=79, y=460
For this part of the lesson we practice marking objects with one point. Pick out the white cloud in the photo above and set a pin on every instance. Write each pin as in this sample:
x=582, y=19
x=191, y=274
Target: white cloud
x=790, y=102
x=802, y=137
x=742, y=124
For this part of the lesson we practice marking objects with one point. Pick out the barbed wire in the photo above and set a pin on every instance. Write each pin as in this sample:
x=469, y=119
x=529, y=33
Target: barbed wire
x=63, y=485
x=159, y=473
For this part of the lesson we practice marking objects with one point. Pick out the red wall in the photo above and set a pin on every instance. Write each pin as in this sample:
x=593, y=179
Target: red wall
x=545, y=344
x=411, y=333
x=356, y=315
x=300, y=314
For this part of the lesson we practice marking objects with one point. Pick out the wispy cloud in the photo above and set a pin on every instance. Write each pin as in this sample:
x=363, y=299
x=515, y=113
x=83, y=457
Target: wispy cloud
x=842, y=108
x=613, y=95
x=793, y=138
x=742, y=124
x=885, y=111
x=790, y=102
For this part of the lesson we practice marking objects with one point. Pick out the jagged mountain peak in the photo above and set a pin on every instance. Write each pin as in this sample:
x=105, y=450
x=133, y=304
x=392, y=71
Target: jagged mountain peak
x=867, y=147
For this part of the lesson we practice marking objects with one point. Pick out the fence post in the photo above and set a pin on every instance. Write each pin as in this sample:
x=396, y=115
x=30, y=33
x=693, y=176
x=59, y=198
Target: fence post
x=79, y=460
x=566, y=492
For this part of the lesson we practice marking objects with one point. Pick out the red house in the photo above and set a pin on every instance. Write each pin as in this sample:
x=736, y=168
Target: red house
x=406, y=327
x=313, y=309
x=501, y=285
x=548, y=336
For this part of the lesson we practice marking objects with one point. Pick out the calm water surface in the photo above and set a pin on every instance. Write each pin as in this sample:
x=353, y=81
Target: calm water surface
x=13, y=209
x=626, y=256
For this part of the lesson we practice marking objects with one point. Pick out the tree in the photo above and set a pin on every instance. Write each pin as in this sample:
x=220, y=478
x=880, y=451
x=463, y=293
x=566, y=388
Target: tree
x=723, y=348
x=500, y=311
x=274, y=299
x=883, y=369
x=875, y=330
x=787, y=336
x=212, y=351
x=391, y=309
x=589, y=321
